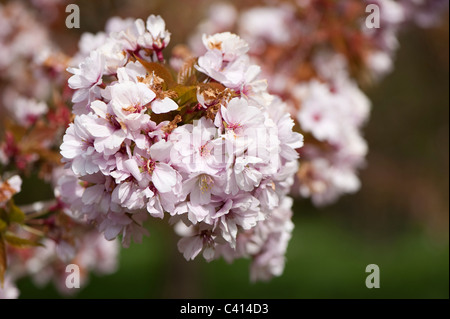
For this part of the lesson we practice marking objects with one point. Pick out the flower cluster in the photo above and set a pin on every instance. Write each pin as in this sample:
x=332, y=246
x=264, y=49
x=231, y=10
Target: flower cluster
x=201, y=139
x=315, y=55
x=41, y=238
x=327, y=104
x=332, y=113
x=425, y=13
x=67, y=241
x=212, y=148
x=31, y=69
x=48, y=262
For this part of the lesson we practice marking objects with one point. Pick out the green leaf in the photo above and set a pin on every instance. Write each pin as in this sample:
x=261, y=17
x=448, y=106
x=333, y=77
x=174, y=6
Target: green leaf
x=3, y=225
x=18, y=242
x=2, y=260
x=16, y=215
x=186, y=94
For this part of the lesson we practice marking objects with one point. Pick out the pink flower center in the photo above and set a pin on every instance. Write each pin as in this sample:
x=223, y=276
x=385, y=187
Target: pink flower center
x=150, y=166
x=234, y=126
x=133, y=108
x=317, y=117
x=204, y=150
x=153, y=188
x=205, y=183
x=206, y=235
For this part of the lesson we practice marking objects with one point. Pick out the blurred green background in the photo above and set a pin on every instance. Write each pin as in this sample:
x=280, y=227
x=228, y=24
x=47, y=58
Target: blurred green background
x=399, y=219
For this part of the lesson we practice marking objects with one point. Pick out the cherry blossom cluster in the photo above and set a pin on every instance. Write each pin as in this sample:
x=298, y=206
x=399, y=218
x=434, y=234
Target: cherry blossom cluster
x=66, y=241
x=30, y=69
x=122, y=135
x=48, y=263
x=327, y=104
x=38, y=239
x=211, y=149
x=425, y=13
x=316, y=55
x=22, y=38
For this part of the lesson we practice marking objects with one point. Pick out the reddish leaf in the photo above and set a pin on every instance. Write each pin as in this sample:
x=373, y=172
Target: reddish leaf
x=159, y=71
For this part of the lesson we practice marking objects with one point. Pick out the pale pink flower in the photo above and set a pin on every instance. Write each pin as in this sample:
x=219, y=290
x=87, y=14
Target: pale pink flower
x=8, y=188
x=155, y=167
x=330, y=112
x=26, y=111
x=117, y=24
x=241, y=211
x=200, y=187
x=230, y=45
x=328, y=181
x=9, y=289
x=195, y=239
x=239, y=121
x=78, y=145
x=157, y=28
x=165, y=105
x=290, y=140
x=130, y=225
x=86, y=80
x=267, y=24
x=196, y=148
x=129, y=37
x=90, y=42
x=111, y=134
x=129, y=102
